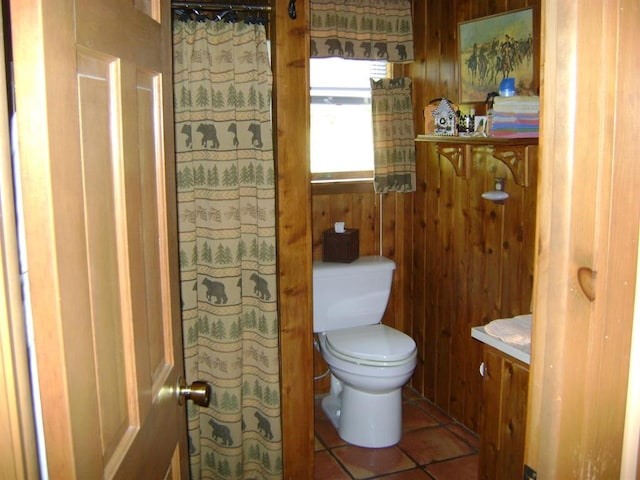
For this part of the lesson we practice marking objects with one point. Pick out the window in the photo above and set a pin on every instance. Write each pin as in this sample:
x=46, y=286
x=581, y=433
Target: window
x=341, y=133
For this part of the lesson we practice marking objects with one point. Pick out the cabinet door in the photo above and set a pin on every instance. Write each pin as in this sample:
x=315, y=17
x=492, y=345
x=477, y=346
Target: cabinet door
x=503, y=416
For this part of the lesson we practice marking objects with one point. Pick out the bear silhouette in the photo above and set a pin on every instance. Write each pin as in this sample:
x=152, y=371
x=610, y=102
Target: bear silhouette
x=222, y=432
x=186, y=129
x=314, y=49
x=256, y=133
x=260, y=287
x=334, y=46
x=348, y=49
x=264, y=425
x=402, y=51
x=366, y=49
x=381, y=47
x=215, y=289
x=233, y=128
x=209, y=134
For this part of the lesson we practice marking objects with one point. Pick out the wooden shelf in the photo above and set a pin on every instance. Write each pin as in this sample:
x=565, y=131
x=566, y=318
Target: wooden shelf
x=477, y=140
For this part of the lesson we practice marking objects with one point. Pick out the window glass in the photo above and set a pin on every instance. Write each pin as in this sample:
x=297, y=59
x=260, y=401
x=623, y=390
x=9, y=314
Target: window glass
x=341, y=133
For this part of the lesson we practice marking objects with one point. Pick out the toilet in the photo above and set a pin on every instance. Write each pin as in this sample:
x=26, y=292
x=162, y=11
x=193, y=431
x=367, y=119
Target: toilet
x=369, y=362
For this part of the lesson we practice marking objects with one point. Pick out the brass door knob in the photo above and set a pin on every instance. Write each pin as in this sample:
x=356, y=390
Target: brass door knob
x=199, y=392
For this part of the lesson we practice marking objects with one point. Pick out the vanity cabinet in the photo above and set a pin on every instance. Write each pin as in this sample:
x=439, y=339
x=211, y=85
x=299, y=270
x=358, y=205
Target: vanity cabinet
x=503, y=415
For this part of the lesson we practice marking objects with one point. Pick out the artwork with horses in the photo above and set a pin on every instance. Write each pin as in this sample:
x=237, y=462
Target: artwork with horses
x=493, y=48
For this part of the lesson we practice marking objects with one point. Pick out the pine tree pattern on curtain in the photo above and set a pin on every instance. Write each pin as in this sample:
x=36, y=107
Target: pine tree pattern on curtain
x=226, y=209
x=362, y=29
x=394, y=149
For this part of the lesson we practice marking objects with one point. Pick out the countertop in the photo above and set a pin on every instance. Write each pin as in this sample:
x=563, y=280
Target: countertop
x=519, y=352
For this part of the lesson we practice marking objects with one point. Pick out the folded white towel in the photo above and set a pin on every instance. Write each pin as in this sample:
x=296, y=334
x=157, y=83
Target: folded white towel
x=516, y=330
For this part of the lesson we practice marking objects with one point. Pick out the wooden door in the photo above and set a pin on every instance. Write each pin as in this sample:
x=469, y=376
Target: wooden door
x=93, y=98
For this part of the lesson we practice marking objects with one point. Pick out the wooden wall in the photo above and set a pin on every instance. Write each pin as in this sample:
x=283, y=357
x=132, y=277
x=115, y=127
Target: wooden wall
x=461, y=262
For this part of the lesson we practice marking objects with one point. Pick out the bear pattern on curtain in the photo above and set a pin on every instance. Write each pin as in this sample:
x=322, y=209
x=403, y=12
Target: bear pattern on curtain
x=362, y=29
x=226, y=222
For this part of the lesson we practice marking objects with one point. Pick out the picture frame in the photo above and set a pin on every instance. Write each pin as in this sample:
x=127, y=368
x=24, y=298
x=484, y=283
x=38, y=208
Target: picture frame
x=496, y=47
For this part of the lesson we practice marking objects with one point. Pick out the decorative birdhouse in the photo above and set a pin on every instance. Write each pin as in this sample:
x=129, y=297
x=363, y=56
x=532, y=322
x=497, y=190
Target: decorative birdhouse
x=444, y=118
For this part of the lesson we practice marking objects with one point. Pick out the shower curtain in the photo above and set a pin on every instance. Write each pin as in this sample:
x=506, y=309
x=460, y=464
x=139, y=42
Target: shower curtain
x=226, y=209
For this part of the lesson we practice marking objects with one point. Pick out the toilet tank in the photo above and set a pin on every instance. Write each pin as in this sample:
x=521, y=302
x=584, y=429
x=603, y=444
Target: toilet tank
x=350, y=294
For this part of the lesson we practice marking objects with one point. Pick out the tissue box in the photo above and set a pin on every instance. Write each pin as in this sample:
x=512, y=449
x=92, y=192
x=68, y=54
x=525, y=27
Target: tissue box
x=341, y=247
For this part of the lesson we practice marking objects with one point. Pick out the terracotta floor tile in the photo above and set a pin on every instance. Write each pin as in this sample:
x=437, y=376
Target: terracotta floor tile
x=433, y=444
x=434, y=411
x=327, y=433
x=318, y=445
x=466, y=434
x=465, y=468
x=409, y=393
x=414, y=417
x=413, y=474
x=368, y=462
x=327, y=468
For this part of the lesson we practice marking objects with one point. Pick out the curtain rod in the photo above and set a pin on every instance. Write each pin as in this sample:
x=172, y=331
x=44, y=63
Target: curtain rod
x=221, y=6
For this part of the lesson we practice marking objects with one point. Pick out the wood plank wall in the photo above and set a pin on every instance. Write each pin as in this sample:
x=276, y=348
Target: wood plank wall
x=461, y=262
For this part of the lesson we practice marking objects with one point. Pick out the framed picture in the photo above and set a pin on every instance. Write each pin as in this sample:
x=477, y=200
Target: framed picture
x=493, y=48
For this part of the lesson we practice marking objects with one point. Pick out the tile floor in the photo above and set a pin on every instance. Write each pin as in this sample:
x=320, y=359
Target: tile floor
x=433, y=447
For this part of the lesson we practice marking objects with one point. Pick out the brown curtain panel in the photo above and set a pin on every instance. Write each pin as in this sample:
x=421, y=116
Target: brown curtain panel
x=362, y=29
x=394, y=149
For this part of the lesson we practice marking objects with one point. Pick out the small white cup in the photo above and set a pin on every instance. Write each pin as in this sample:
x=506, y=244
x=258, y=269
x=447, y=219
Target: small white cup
x=339, y=227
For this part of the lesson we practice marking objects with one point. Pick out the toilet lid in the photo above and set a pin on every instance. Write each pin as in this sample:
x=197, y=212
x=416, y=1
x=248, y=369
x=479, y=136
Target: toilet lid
x=371, y=343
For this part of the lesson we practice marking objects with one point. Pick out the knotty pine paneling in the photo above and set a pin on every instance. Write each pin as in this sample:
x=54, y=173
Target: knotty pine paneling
x=473, y=262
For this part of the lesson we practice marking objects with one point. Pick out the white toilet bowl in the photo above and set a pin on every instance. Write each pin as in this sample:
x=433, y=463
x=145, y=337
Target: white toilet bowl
x=369, y=365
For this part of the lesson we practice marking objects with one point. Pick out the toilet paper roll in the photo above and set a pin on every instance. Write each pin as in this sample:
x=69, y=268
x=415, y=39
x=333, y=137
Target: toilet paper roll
x=339, y=227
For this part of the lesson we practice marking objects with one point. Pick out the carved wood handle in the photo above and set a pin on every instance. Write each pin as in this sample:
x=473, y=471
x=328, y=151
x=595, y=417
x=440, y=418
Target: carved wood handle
x=587, y=279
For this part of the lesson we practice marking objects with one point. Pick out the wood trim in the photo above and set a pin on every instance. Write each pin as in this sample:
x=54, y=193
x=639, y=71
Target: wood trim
x=293, y=196
x=588, y=216
x=19, y=456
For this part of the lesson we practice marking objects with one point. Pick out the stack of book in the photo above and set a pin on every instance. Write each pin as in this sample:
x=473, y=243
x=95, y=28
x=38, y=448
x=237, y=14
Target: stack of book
x=515, y=117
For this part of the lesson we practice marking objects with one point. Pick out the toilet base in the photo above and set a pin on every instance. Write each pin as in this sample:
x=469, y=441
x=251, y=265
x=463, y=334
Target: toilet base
x=371, y=420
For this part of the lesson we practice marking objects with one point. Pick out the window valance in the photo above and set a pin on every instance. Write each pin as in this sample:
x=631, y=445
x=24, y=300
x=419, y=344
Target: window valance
x=362, y=29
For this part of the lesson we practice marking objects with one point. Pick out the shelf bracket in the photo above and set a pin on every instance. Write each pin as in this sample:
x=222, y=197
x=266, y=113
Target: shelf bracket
x=516, y=159
x=458, y=155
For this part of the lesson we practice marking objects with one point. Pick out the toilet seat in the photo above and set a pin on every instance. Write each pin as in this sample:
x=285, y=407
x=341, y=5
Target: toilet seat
x=384, y=346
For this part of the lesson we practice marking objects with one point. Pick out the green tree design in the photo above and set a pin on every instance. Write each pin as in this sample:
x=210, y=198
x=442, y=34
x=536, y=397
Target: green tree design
x=235, y=331
x=185, y=97
x=271, y=176
x=266, y=461
x=232, y=96
x=246, y=388
x=194, y=254
x=239, y=470
x=202, y=97
x=200, y=176
x=207, y=254
x=253, y=248
x=217, y=99
x=278, y=465
x=219, y=330
x=262, y=325
x=203, y=325
x=259, y=175
x=223, y=468
x=214, y=398
x=210, y=459
x=241, y=251
x=240, y=100
x=192, y=335
x=186, y=178
x=183, y=259
x=257, y=390
x=252, y=98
